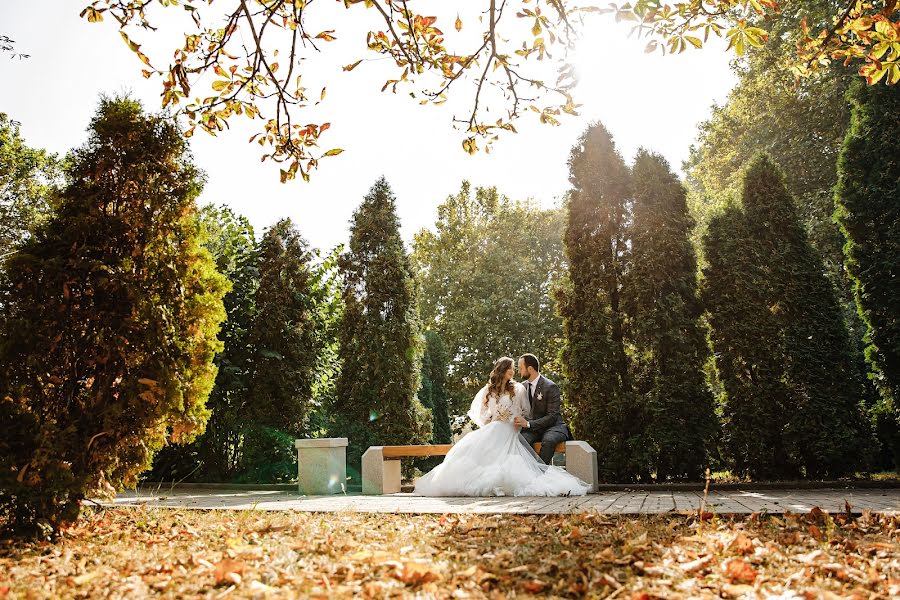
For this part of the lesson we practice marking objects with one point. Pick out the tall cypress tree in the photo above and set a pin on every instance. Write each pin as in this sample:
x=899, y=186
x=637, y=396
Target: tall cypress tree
x=664, y=311
x=825, y=425
x=381, y=343
x=286, y=347
x=599, y=393
x=746, y=344
x=783, y=352
x=111, y=312
x=868, y=211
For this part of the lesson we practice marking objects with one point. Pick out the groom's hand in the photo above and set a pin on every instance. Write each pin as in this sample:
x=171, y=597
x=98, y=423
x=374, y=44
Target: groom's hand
x=520, y=421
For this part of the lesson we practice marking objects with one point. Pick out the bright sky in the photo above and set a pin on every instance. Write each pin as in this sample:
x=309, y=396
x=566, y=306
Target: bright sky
x=645, y=100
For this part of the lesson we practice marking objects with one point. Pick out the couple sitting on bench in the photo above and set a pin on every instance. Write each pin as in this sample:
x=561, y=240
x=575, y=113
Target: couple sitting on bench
x=497, y=459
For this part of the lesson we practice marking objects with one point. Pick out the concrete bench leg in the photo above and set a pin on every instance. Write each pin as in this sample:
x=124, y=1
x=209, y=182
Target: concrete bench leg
x=581, y=461
x=379, y=476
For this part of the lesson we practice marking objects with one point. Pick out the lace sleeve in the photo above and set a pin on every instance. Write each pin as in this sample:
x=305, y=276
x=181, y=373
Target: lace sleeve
x=478, y=412
x=520, y=402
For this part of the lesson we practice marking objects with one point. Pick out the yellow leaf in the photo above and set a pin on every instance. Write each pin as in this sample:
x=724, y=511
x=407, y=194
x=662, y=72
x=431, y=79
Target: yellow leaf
x=219, y=85
x=695, y=42
x=334, y=152
x=536, y=29
x=322, y=95
x=134, y=47
x=353, y=66
x=458, y=23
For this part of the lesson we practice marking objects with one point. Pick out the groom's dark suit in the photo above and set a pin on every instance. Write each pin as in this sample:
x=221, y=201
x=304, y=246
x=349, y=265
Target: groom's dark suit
x=546, y=424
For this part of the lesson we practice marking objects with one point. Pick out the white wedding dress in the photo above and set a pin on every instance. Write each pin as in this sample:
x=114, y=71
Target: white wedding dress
x=493, y=461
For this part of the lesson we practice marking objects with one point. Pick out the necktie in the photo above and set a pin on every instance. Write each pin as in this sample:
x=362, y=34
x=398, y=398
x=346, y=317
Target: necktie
x=529, y=393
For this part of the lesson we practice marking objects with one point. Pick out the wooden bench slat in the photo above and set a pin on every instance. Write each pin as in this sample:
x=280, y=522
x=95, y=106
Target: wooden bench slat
x=424, y=450
x=439, y=450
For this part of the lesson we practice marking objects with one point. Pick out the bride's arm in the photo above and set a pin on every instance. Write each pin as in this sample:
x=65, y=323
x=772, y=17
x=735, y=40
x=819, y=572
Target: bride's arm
x=478, y=412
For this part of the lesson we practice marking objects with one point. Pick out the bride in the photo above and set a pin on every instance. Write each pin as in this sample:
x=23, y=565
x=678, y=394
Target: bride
x=494, y=460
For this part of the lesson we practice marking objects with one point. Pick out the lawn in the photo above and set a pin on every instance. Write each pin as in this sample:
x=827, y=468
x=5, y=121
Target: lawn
x=133, y=552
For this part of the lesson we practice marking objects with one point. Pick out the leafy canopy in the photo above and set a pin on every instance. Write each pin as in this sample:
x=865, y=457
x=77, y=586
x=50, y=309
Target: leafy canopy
x=249, y=53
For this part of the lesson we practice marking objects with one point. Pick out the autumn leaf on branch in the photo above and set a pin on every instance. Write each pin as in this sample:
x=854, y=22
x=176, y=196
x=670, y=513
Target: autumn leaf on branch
x=866, y=32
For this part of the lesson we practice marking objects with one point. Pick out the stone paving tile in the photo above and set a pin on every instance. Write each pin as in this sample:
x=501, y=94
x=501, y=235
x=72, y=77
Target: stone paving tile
x=613, y=502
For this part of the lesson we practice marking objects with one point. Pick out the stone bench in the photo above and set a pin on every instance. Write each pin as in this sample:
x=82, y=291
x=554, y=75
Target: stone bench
x=381, y=464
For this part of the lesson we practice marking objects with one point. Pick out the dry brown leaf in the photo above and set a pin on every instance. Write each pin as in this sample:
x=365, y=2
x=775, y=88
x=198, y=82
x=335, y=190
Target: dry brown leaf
x=737, y=590
x=738, y=570
x=740, y=544
x=696, y=565
x=816, y=533
x=85, y=578
x=229, y=571
x=415, y=573
x=815, y=514
x=535, y=586
x=606, y=555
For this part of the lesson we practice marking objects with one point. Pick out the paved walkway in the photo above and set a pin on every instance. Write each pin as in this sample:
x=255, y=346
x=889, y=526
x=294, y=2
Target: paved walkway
x=619, y=502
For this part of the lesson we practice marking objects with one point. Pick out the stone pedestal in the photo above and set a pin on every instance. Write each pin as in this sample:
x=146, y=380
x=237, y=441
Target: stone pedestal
x=321, y=466
x=581, y=461
x=379, y=476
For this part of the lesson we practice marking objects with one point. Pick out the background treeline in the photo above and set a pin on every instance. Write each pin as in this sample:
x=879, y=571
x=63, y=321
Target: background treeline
x=745, y=320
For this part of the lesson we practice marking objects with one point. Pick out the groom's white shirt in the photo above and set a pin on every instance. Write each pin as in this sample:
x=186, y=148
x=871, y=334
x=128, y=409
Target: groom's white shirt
x=533, y=383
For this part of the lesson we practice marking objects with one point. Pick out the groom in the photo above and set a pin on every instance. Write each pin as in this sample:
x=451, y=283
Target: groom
x=546, y=424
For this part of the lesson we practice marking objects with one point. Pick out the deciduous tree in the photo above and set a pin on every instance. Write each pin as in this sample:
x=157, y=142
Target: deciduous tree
x=486, y=273
x=28, y=177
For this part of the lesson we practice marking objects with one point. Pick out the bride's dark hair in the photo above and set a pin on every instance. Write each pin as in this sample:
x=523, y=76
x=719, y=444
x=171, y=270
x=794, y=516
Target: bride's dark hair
x=495, y=383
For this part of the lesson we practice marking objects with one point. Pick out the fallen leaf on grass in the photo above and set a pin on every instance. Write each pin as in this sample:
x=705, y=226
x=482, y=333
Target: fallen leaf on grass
x=519, y=569
x=535, y=586
x=740, y=571
x=812, y=557
x=815, y=514
x=379, y=556
x=741, y=544
x=607, y=579
x=696, y=565
x=737, y=590
x=816, y=533
x=790, y=539
x=258, y=587
x=415, y=573
x=83, y=579
x=606, y=555
x=229, y=571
